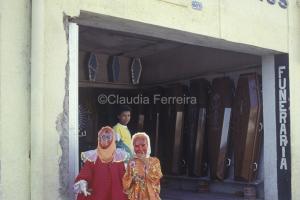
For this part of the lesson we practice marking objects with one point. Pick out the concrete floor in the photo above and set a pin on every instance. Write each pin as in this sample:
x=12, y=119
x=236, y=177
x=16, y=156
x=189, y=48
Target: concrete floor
x=185, y=195
x=186, y=188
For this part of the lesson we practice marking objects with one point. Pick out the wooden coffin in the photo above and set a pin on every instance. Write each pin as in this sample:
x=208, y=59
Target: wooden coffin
x=220, y=105
x=247, y=127
x=92, y=67
x=113, y=68
x=171, y=137
x=195, y=151
x=136, y=70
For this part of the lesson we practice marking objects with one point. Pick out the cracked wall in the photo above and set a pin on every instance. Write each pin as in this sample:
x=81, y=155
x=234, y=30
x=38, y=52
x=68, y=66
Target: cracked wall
x=62, y=127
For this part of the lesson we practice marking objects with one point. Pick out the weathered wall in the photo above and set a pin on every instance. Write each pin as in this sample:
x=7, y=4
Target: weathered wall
x=294, y=62
x=231, y=20
x=252, y=22
x=255, y=23
x=14, y=99
x=48, y=115
x=49, y=72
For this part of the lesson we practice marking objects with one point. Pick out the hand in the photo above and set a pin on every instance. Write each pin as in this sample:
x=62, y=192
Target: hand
x=141, y=167
x=86, y=192
x=83, y=188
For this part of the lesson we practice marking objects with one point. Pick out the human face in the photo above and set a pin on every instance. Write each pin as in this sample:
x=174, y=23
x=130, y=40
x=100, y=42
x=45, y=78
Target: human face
x=140, y=146
x=124, y=117
x=105, y=138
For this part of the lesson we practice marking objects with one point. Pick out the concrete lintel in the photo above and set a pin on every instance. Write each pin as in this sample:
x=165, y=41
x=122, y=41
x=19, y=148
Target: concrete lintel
x=129, y=26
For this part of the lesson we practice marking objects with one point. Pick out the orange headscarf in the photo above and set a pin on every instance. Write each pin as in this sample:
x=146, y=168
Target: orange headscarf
x=106, y=155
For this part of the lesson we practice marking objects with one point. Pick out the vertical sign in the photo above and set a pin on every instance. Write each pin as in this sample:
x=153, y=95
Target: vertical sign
x=283, y=126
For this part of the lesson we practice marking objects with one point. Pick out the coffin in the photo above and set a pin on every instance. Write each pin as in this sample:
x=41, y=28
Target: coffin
x=136, y=70
x=113, y=68
x=219, y=113
x=195, y=151
x=171, y=132
x=247, y=127
x=92, y=67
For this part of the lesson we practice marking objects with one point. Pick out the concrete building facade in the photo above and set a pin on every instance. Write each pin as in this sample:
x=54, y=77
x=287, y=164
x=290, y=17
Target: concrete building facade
x=38, y=45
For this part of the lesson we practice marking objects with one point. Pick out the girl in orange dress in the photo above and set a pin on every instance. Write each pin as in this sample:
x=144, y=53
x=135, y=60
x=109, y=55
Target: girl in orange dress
x=142, y=177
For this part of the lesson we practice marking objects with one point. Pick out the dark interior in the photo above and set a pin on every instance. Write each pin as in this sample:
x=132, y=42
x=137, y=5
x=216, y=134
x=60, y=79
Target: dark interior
x=168, y=69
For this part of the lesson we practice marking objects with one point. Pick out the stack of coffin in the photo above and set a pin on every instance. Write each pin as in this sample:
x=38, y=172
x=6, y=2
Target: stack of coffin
x=220, y=105
x=247, y=127
x=195, y=151
x=171, y=132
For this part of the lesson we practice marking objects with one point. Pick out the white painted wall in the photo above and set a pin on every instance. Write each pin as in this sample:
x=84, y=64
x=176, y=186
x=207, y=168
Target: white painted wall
x=229, y=20
x=222, y=24
x=294, y=70
x=14, y=99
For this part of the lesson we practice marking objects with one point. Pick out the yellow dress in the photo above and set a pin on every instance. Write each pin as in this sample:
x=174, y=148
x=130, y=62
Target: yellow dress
x=141, y=183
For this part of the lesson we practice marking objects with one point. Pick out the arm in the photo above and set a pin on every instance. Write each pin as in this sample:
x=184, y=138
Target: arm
x=127, y=178
x=154, y=175
x=85, y=172
x=83, y=179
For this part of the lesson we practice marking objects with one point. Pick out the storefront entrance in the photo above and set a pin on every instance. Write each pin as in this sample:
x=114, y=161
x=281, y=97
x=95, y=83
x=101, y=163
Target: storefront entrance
x=201, y=146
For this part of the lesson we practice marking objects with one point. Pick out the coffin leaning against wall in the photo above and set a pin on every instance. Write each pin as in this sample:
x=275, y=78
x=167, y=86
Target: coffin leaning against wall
x=219, y=113
x=247, y=127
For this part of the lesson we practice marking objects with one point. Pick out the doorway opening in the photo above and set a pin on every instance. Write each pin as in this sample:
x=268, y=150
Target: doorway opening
x=194, y=142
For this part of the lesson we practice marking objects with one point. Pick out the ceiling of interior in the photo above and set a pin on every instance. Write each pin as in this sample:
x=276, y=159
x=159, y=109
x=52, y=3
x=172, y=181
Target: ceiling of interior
x=116, y=43
x=162, y=58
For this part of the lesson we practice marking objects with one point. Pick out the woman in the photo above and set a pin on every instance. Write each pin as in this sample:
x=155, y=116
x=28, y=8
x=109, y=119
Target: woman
x=142, y=178
x=101, y=176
